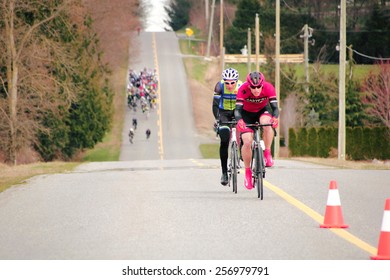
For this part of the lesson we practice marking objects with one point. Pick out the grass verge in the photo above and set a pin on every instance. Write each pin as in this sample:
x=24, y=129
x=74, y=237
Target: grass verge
x=209, y=151
x=14, y=175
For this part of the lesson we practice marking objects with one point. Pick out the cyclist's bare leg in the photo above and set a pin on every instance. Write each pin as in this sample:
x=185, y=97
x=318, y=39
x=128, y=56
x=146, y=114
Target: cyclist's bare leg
x=246, y=151
x=268, y=133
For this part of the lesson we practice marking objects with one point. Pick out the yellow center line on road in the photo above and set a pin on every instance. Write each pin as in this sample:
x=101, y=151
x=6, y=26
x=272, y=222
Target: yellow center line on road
x=198, y=163
x=159, y=122
x=319, y=219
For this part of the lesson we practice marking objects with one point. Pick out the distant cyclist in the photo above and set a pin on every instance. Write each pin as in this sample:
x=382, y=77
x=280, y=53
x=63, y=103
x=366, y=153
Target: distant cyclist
x=148, y=132
x=131, y=135
x=224, y=103
x=256, y=102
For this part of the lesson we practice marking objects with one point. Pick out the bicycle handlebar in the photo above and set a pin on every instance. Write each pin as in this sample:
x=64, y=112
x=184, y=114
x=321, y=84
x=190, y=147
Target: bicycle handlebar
x=228, y=122
x=258, y=124
x=255, y=125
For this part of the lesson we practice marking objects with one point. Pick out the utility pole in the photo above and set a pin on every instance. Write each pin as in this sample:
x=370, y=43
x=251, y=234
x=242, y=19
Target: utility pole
x=307, y=33
x=223, y=59
x=210, y=30
x=206, y=10
x=342, y=58
x=221, y=51
x=277, y=72
x=249, y=49
x=257, y=43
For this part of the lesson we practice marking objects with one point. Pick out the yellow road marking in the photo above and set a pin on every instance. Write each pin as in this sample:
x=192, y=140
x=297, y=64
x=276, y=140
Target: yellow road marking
x=159, y=110
x=318, y=218
x=198, y=163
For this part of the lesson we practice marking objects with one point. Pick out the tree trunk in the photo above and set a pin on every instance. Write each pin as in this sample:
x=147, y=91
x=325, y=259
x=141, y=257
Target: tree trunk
x=12, y=74
x=13, y=119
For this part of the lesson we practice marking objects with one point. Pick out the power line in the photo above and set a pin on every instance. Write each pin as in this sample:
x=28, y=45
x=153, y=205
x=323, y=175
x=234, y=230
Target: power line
x=227, y=15
x=367, y=56
x=290, y=8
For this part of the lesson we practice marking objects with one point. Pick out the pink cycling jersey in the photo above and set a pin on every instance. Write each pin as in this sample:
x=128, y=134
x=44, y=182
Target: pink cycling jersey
x=252, y=103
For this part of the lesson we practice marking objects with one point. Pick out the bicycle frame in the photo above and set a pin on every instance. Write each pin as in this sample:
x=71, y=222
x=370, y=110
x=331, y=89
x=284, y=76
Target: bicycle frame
x=234, y=162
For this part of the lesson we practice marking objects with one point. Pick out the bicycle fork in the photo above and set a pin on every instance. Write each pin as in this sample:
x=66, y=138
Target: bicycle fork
x=234, y=140
x=255, y=147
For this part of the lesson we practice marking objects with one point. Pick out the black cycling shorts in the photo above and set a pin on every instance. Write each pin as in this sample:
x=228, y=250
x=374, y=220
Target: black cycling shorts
x=225, y=116
x=253, y=117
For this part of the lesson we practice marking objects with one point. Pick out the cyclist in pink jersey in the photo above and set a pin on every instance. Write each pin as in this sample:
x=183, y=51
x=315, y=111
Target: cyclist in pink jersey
x=256, y=102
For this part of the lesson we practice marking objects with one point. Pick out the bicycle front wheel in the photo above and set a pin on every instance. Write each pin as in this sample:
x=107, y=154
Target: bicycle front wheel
x=258, y=172
x=234, y=165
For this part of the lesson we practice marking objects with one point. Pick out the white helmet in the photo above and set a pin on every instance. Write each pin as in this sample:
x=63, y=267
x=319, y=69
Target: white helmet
x=230, y=74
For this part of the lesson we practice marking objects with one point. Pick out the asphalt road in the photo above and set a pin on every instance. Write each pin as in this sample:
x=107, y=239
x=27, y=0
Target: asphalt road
x=161, y=201
x=172, y=125
x=176, y=209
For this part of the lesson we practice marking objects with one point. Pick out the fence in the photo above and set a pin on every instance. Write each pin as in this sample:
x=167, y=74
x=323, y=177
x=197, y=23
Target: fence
x=283, y=58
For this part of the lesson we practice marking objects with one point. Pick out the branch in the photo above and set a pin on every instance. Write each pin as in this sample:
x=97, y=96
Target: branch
x=36, y=25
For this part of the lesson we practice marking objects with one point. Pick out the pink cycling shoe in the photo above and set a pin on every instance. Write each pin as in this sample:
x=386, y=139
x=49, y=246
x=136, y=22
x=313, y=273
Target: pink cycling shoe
x=268, y=158
x=248, y=179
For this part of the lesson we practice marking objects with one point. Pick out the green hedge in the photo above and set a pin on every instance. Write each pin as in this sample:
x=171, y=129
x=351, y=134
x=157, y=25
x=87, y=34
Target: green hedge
x=361, y=143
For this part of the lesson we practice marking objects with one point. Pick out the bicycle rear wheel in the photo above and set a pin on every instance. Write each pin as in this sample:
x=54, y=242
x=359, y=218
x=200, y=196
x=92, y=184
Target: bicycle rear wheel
x=234, y=165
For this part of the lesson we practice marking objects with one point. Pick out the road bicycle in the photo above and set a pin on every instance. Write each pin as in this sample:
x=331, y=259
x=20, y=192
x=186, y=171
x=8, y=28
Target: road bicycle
x=132, y=103
x=148, y=132
x=145, y=107
x=258, y=162
x=135, y=123
x=234, y=160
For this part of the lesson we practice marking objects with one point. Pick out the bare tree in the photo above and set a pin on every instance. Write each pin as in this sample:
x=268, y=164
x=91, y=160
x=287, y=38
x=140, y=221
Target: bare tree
x=377, y=87
x=30, y=89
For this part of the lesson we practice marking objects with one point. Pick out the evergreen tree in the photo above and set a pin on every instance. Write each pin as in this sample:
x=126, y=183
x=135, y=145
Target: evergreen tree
x=86, y=120
x=89, y=116
x=322, y=98
x=313, y=119
x=375, y=41
x=354, y=107
x=235, y=36
x=178, y=12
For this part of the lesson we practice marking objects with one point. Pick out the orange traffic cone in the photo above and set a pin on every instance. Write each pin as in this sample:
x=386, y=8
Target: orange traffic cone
x=384, y=238
x=333, y=216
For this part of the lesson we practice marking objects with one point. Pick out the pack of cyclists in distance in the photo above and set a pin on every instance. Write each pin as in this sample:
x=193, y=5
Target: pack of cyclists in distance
x=142, y=89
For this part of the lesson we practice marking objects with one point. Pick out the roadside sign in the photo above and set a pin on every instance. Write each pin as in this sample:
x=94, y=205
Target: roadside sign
x=189, y=32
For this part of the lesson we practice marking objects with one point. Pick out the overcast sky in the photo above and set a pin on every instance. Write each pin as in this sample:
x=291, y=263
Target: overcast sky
x=155, y=15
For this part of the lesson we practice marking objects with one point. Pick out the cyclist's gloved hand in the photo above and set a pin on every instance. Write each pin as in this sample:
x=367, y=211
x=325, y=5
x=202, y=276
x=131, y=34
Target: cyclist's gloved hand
x=241, y=124
x=274, y=122
x=216, y=125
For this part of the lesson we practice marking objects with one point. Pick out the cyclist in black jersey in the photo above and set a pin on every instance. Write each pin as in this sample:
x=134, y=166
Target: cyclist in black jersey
x=148, y=132
x=131, y=135
x=224, y=103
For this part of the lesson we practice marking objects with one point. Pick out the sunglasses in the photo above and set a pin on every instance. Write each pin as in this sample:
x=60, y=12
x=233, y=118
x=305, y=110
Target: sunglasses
x=253, y=87
x=230, y=83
